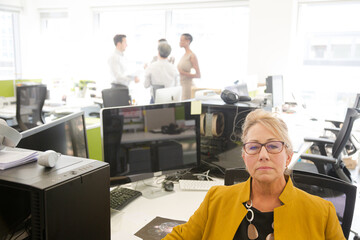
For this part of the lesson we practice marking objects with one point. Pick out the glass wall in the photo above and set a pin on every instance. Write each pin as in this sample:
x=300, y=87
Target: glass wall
x=9, y=44
x=220, y=38
x=328, y=59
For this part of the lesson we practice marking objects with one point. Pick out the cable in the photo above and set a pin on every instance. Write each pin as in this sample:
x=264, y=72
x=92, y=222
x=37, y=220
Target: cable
x=356, y=237
x=214, y=166
x=174, y=177
x=237, y=124
x=20, y=234
x=204, y=174
x=156, y=181
x=23, y=225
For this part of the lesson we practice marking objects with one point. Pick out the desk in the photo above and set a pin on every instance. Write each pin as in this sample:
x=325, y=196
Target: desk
x=8, y=112
x=179, y=205
x=149, y=136
x=300, y=126
x=75, y=105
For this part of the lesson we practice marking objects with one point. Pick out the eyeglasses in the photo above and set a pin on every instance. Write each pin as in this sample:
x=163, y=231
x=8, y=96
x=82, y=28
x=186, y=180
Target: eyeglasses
x=273, y=147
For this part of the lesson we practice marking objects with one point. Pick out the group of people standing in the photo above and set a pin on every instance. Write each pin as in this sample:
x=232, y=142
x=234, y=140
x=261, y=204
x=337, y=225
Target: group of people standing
x=161, y=71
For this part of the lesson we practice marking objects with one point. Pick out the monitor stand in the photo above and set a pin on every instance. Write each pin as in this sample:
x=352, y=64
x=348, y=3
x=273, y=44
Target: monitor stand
x=150, y=188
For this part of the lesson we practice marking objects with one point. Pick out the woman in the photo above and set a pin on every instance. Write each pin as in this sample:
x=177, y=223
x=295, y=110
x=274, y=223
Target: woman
x=187, y=62
x=266, y=206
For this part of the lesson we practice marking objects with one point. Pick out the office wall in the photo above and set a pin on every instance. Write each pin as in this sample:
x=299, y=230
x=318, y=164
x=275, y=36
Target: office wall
x=272, y=27
x=10, y=3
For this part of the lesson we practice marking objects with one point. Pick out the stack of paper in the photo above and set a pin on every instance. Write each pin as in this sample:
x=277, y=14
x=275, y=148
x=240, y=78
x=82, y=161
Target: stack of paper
x=12, y=158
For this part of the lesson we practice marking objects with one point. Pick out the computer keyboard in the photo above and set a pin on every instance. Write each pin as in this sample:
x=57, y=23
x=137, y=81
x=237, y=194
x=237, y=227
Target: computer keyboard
x=120, y=197
x=198, y=185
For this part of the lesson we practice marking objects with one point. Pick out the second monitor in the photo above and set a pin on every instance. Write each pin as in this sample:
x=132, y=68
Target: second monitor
x=167, y=95
x=140, y=141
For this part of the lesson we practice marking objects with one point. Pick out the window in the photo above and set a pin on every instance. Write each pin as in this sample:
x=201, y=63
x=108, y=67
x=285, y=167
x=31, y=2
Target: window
x=339, y=48
x=55, y=51
x=220, y=38
x=220, y=42
x=9, y=45
x=328, y=58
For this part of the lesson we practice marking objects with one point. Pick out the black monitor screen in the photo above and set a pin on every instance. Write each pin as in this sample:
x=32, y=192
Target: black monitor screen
x=274, y=85
x=66, y=135
x=139, y=141
x=220, y=130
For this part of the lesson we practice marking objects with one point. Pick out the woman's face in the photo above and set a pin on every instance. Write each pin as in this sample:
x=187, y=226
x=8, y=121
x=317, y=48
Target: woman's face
x=265, y=167
x=183, y=41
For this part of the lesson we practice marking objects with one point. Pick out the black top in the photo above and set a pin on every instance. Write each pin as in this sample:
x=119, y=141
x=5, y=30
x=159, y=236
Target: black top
x=262, y=222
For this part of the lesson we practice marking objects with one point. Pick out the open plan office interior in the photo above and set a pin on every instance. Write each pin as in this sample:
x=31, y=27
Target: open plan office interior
x=275, y=55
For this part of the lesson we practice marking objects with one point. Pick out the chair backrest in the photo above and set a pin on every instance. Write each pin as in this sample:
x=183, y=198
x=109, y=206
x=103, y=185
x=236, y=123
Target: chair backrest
x=29, y=103
x=113, y=97
x=344, y=134
x=357, y=101
x=342, y=194
x=339, y=192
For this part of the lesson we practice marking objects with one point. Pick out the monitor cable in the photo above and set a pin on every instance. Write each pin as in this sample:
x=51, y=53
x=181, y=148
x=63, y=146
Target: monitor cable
x=237, y=124
x=204, y=175
x=356, y=237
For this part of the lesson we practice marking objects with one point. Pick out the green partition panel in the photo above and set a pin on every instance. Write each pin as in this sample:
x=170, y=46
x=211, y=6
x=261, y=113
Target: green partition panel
x=28, y=81
x=94, y=143
x=7, y=88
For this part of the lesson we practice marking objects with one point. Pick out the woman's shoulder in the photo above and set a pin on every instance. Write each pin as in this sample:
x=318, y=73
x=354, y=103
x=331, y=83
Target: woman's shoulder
x=227, y=191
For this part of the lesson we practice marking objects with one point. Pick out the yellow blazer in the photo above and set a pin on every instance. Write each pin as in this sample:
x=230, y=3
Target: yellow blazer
x=302, y=215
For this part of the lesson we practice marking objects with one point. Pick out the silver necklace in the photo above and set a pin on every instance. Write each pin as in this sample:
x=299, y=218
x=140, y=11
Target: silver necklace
x=252, y=232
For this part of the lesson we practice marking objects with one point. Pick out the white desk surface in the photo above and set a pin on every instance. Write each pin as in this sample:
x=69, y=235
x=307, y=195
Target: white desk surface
x=300, y=126
x=8, y=111
x=73, y=105
x=148, y=136
x=178, y=205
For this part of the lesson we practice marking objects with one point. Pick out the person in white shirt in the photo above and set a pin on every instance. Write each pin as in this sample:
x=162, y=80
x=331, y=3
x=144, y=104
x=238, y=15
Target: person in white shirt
x=119, y=65
x=155, y=58
x=161, y=72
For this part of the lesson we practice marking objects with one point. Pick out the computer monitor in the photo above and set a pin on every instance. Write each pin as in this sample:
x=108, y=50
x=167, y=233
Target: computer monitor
x=140, y=142
x=274, y=85
x=66, y=135
x=220, y=131
x=167, y=95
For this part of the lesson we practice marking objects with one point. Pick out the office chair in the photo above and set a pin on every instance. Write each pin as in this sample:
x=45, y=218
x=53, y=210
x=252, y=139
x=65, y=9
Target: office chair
x=29, y=103
x=342, y=194
x=353, y=144
x=332, y=164
x=113, y=97
x=337, y=124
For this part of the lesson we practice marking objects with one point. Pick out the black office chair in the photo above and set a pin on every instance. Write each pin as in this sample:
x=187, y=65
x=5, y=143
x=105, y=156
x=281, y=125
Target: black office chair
x=337, y=124
x=353, y=144
x=29, y=103
x=114, y=97
x=332, y=164
x=339, y=192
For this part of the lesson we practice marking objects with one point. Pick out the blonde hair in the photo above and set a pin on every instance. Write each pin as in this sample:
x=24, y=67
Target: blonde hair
x=270, y=121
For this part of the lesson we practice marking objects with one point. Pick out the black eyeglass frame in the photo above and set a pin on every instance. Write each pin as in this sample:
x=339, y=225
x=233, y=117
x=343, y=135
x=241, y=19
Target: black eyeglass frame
x=264, y=145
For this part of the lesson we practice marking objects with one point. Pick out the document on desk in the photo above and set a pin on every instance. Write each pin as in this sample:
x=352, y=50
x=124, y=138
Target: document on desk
x=157, y=228
x=12, y=158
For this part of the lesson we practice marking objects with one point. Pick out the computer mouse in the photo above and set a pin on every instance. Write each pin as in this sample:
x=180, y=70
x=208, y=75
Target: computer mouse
x=48, y=158
x=168, y=186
